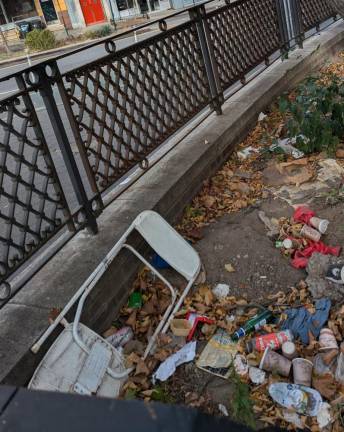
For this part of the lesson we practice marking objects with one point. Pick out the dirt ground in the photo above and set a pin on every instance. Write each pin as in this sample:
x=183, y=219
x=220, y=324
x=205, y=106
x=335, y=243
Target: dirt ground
x=241, y=240
x=224, y=226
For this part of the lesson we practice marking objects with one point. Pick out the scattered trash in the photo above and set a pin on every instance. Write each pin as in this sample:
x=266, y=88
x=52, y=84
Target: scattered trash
x=168, y=367
x=301, y=258
x=135, y=300
x=229, y=268
x=218, y=355
x=287, y=173
x=286, y=146
x=271, y=340
x=247, y=152
x=252, y=324
x=327, y=340
x=121, y=337
x=257, y=376
x=293, y=418
x=223, y=410
x=302, y=371
x=303, y=400
x=271, y=224
x=221, y=291
x=180, y=327
x=339, y=375
x=274, y=362
x=262, y=117
x=240, y=365
x=335, y=273
x=300, y=321
x=289, y=350
x=310, y=233
x=195, y=319
x=324, y=417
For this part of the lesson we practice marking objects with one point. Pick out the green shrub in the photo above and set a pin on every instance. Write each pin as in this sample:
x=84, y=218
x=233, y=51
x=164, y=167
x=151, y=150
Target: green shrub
x=316, y=116
x=40, y=40
x=103, y=31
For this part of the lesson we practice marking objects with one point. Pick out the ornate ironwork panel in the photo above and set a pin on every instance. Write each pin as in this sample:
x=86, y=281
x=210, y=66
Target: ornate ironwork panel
x=314, y=12
x=32, y=204
x=244, y=34
x=127, y=104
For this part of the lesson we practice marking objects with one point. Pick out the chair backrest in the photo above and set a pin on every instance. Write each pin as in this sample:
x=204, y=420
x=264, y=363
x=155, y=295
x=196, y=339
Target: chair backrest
x=168, y=244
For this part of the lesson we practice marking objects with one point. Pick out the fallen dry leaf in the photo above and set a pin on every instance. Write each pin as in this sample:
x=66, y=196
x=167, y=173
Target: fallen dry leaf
x=229, y=268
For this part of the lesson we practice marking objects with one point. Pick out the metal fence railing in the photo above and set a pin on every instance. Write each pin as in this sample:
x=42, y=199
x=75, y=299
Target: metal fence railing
x=67, y=137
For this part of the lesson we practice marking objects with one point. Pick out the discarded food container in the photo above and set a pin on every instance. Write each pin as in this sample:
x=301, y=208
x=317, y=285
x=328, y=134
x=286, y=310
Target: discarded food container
x=271, y=340
x=302, y=371
x=310, y=233
x=135, y=300
x=303, y=400
x=335, y=273
x=253, y=324
x=339, y=375
x=240, y=365
x=257, y=376
x=273, y=362
x=180, y=327
x=327, y=340
x=289, y=350
x=319, y=224
x=121, y=337
x=320, y=367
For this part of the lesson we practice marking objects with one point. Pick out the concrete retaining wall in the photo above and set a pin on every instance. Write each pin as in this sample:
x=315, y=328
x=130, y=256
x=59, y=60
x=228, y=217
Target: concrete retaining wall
x=166, y=188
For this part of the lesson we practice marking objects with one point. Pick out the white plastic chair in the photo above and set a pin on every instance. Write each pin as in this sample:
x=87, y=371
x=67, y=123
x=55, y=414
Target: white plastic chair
x=169, y=245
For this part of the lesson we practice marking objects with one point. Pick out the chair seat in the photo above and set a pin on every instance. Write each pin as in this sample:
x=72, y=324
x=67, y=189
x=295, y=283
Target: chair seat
x=65, y=365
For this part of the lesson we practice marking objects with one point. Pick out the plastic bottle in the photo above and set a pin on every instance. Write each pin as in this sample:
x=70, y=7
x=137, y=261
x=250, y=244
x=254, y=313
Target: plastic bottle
x=252, y=324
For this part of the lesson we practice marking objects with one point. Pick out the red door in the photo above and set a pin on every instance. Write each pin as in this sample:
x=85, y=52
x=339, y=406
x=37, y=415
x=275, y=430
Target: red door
x=93, y=11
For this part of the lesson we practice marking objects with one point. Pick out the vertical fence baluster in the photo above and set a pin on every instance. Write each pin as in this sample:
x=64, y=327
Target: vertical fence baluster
x=45, y=84
x=199, y=15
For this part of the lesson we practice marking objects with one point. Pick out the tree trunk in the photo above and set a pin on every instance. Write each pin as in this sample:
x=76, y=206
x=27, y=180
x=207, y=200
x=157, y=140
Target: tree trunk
x=338, y=5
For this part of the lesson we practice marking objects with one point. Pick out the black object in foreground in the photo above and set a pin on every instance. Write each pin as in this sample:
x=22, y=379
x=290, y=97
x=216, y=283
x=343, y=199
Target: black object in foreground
x=36, y=411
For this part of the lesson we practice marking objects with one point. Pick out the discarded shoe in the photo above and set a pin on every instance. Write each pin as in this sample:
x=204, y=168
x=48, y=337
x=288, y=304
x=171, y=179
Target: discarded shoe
x=335, y=273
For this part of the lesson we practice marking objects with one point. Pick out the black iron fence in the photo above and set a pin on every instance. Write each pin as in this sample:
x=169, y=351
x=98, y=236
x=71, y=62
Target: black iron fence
x=98, y=121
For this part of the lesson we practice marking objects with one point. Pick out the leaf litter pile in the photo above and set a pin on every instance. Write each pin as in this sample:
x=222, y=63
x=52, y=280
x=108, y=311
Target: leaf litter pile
x=237, y=185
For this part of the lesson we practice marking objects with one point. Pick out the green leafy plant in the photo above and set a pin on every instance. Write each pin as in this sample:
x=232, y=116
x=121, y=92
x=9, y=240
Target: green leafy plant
x=103, y=31
x=40, y=40
x=316, y=115
x=241, y=403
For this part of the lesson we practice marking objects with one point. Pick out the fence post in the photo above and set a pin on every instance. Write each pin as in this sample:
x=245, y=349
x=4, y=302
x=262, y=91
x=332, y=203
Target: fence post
x=198, y=14
x=296, y=13
x=283, y=27
x=39, y=77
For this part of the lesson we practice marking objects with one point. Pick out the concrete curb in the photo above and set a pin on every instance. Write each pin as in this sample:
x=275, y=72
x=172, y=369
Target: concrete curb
x=166, y=188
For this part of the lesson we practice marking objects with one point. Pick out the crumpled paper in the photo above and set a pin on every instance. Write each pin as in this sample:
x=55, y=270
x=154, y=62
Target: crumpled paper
x=169, y=366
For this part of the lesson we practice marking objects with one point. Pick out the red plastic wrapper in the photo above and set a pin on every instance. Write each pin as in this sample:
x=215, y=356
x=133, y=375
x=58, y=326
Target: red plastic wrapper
x=195, y=319
x=300, y=259
x=303, y=214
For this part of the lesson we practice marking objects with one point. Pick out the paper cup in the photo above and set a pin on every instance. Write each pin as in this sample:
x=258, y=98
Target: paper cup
x=320, y=224
x=289, y=350
x=310, y=233
x=327, y=340
x=273, y=362
x=302, y=371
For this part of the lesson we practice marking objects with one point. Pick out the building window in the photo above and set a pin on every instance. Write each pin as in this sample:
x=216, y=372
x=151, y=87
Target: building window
x=49, y=11
x=16, y=10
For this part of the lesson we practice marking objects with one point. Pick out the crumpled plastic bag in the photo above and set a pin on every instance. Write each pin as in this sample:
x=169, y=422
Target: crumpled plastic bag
x=303, y=214
x=300, y=321
x=300, y=259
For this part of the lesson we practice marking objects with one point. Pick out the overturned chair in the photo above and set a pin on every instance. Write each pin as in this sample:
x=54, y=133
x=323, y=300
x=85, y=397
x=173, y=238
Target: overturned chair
x=81, y=361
